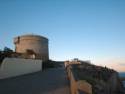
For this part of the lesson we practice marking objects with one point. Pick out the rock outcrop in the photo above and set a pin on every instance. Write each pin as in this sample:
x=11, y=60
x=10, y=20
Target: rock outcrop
x=102, y=79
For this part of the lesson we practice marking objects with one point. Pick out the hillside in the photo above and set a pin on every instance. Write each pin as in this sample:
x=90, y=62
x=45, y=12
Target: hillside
x=102, y=79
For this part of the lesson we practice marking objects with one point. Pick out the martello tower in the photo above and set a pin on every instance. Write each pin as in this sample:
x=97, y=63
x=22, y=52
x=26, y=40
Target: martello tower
x=33, y=43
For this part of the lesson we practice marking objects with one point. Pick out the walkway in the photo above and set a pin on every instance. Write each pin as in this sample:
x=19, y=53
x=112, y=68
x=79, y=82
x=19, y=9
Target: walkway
x=52, y=81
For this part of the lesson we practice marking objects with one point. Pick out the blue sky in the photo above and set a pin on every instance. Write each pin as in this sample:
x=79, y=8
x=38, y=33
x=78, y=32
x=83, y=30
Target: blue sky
x=86, y=29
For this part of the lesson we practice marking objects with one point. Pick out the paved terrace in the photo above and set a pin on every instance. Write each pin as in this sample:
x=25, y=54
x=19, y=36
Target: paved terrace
x=52, y=81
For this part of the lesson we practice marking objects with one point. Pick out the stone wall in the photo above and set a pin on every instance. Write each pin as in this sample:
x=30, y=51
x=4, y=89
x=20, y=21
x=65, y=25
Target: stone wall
x=12, y=67
x=77, y=86
x=35, y=43
x=67, y=63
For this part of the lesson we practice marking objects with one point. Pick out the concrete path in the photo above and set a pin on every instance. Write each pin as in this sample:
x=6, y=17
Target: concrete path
x=52, y=81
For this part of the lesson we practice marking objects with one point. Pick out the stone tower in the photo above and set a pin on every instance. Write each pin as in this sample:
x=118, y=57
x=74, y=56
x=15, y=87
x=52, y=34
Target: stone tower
x=32, y=43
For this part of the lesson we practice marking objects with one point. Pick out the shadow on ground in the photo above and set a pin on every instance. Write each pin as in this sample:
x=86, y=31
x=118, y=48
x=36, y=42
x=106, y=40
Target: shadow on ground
x=51, y=81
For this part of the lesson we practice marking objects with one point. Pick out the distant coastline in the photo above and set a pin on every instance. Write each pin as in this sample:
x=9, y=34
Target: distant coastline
x=122, y=74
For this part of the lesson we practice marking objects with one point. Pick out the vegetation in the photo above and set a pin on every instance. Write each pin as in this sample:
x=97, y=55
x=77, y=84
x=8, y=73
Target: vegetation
x=6, y=52
x=99, y=77
x=92, y=71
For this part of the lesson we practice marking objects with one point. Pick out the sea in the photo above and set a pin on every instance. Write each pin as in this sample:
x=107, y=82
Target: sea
x=122, y=74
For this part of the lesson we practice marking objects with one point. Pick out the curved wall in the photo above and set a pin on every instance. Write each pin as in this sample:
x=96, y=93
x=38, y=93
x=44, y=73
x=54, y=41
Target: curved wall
x=37, y=44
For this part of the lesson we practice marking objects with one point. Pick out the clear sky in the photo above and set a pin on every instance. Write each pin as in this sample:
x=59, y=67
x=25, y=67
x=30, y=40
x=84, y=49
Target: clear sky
x=85, y=29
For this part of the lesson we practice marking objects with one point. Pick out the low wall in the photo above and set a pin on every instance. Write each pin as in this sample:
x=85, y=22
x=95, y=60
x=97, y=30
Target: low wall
x=12, y=67
x=84, y=86
x=78, y=86
x=67, y=63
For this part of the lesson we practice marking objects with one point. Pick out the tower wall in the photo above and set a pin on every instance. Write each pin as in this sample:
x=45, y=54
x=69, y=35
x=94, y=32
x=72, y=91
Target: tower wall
x=37, y=44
